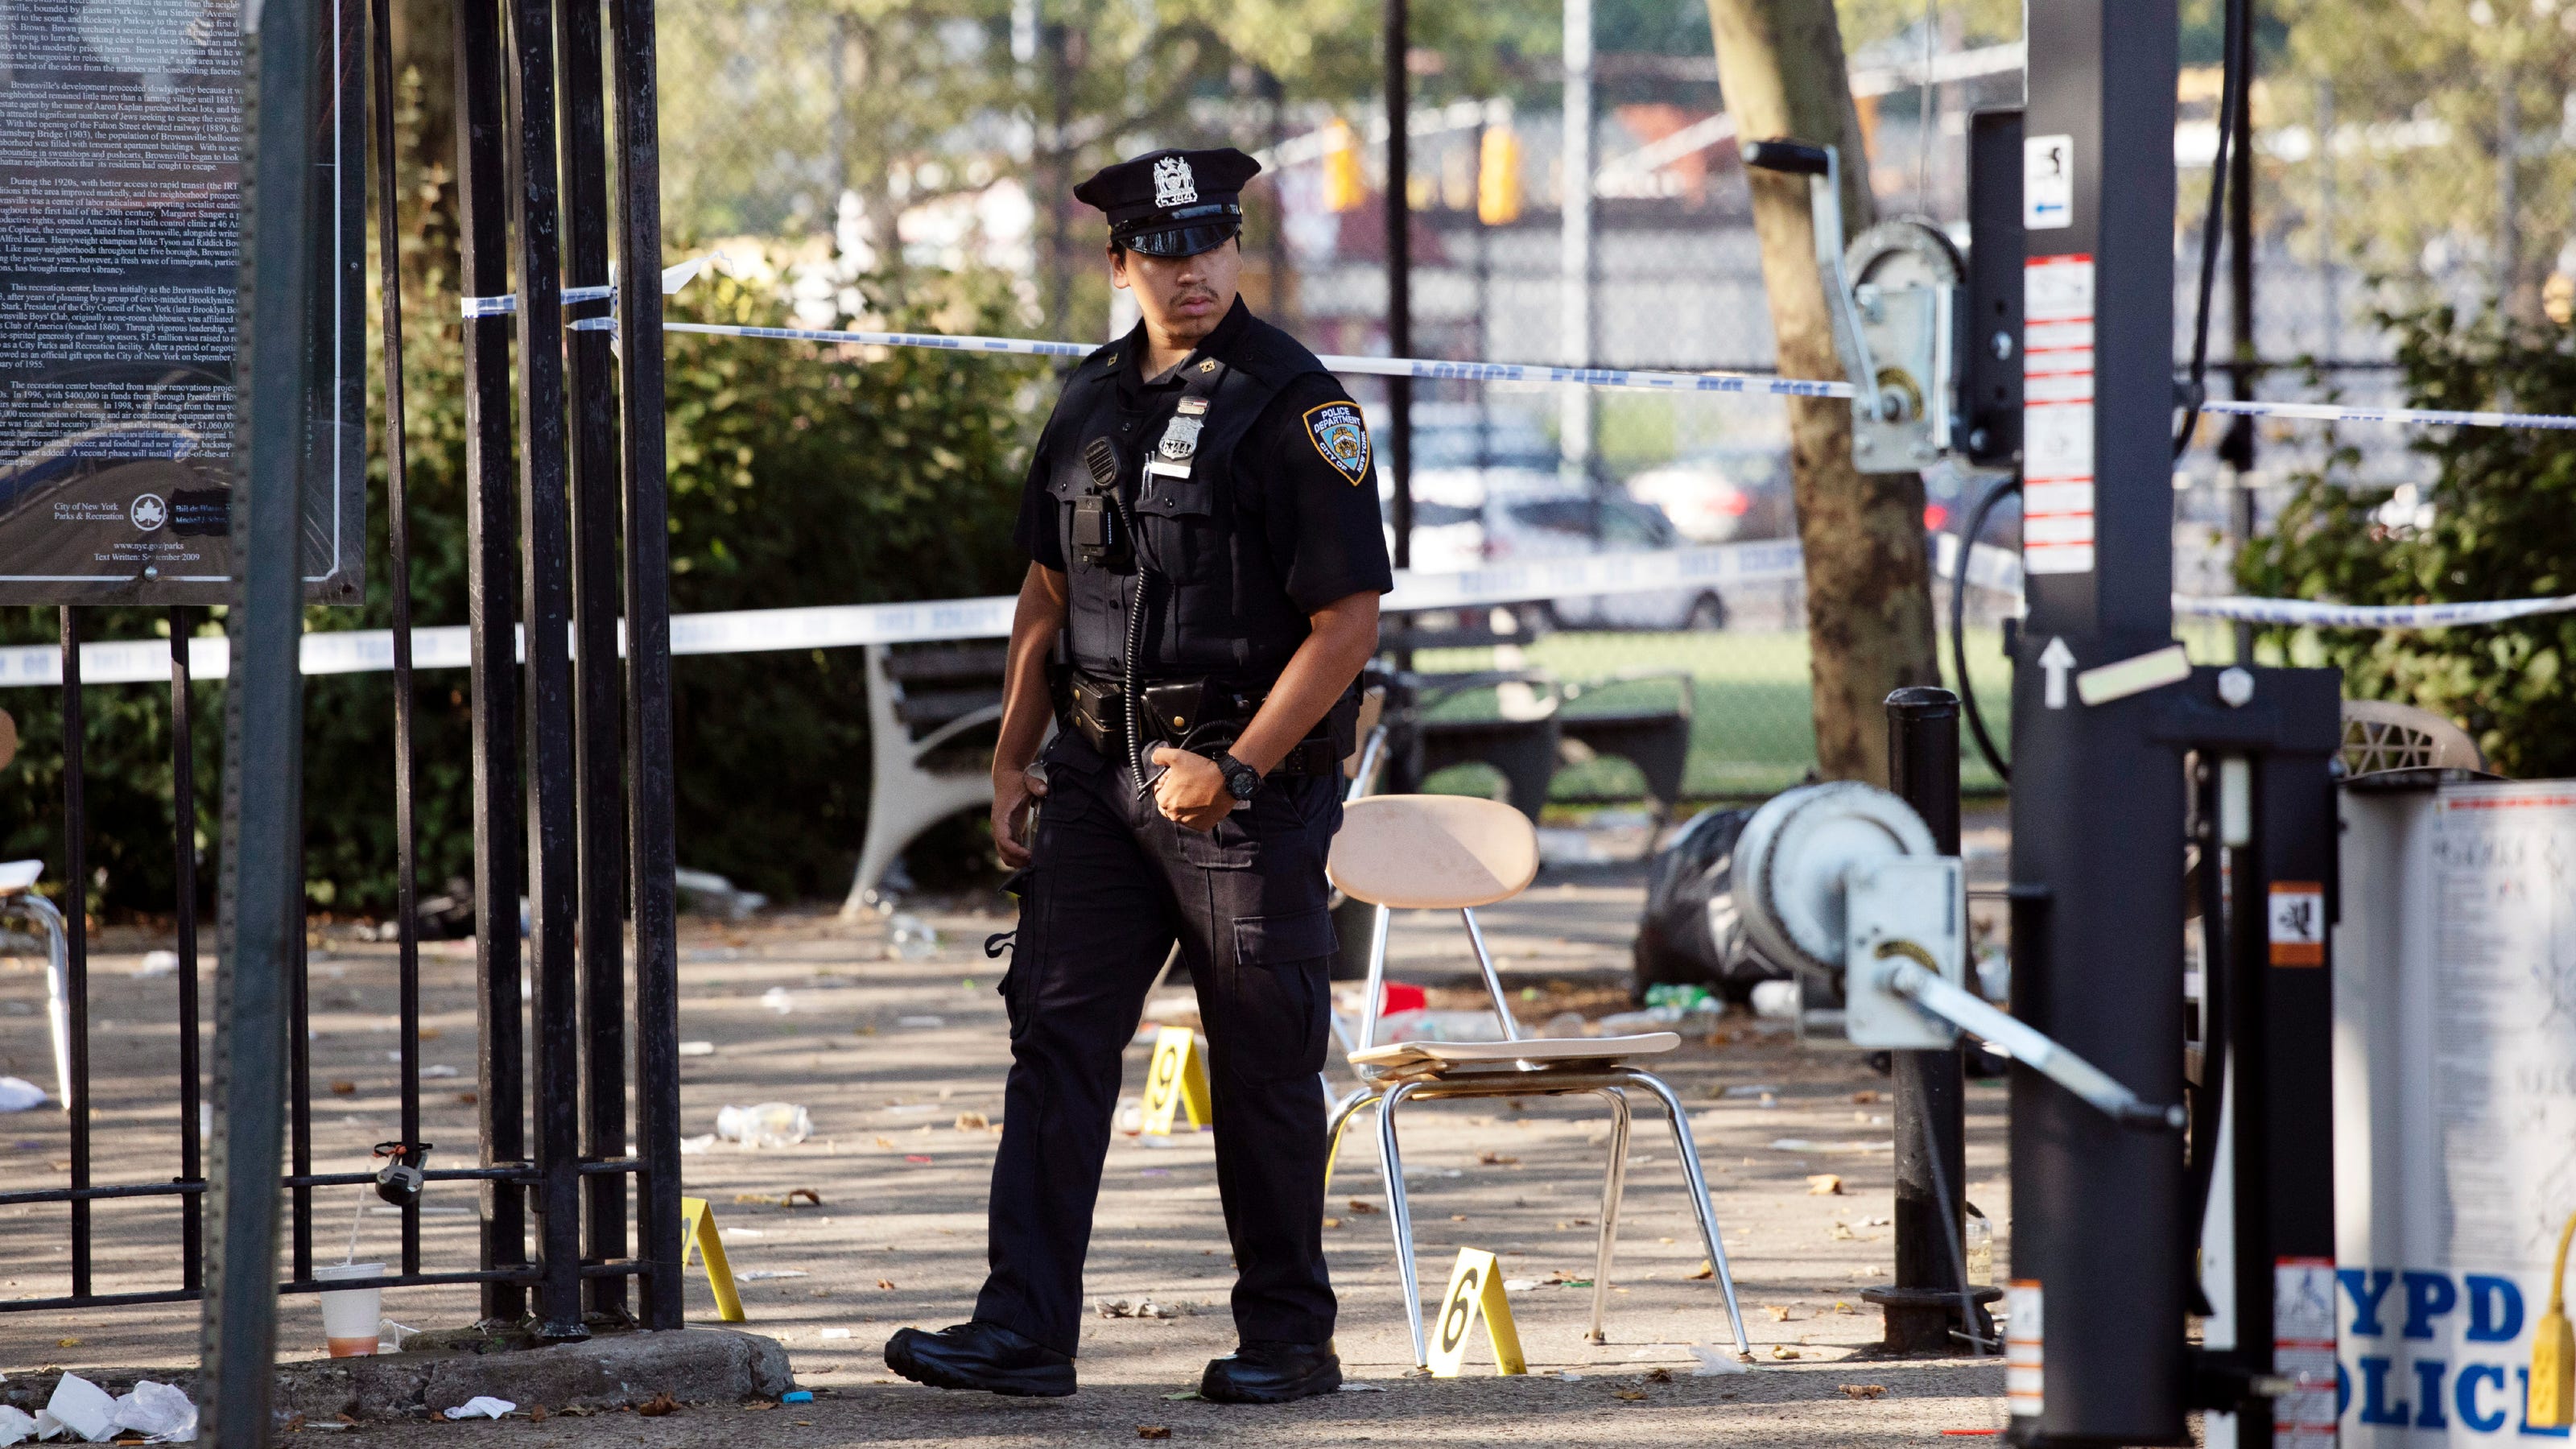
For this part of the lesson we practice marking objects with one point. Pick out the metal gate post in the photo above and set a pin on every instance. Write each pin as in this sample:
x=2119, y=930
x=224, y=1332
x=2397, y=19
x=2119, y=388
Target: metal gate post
x=263, y=884
x=183, y=815
x=650, y=847
x=546, y=558
x=76, y=942
x=600, y=802
x=2100, y=1249
x=491, y=624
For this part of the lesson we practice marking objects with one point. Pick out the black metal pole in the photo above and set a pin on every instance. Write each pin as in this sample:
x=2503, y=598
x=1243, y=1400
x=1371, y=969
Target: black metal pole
x=76, y=945
x=2237, y=448
x=649, y=843
x=299, y=1083
x=1930, y=1087
x=2098, y=1257
x=554, y=885
x=600, y=802
x=263, y=887
x=491, y=624
x=183, y=875
x=398, y=544
x=1399, y=276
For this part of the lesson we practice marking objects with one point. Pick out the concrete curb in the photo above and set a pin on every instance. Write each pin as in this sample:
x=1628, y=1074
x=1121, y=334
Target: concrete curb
x=613, y=1370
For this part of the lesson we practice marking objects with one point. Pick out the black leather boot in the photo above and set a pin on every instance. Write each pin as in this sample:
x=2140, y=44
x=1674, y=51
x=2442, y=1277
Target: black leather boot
x=1269, y=1371
x=983, y=1356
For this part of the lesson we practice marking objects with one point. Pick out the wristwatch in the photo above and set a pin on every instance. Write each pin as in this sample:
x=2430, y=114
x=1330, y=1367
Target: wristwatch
x=1241, y=780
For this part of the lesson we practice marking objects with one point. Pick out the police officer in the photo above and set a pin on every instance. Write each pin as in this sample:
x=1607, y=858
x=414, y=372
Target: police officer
x=1202, y=525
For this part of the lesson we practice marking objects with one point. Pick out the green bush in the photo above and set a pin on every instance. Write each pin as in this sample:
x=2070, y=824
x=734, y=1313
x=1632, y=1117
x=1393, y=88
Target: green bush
x=2503, y=526
x=799, y=475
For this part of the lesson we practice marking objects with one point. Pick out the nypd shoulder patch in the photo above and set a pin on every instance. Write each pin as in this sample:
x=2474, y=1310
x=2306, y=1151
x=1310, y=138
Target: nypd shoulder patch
x=1341, y=436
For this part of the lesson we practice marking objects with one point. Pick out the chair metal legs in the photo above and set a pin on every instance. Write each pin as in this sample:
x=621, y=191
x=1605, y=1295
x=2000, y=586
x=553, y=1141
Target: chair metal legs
x=1700, y=1204
x=1343, y=1111
x=1613, y=1184
x=1399, y=1216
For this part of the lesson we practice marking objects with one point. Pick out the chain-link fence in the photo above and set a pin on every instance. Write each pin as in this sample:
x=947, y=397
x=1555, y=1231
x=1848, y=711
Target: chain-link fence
x=944, y=135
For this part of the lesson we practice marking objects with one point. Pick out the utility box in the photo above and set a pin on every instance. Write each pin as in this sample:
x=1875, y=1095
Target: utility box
x=2455, y=1099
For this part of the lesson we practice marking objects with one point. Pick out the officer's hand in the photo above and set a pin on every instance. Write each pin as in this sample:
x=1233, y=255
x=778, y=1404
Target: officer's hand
x=1191, y=790
x=1014, y=791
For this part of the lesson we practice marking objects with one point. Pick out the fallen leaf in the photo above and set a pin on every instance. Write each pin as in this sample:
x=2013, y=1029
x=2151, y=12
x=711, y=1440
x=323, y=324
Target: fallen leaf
x=1825, y=1184
x=344, y=1089
x=1842, y=1307
x=537, y=1412
x=1863, y=1097
x=886, y=1283
x=67, y=1343
x=886, y=1142
x=1706, y=1269
x=1631, y=1395
x=973, y=1122
x=469, y=1098
x=1152, y=1431
x=1332, y=1222
x=1782, y=1350
x=1779, y=1312
x=661, y=1404
x=1659, y=1376
x=294, y=1424
x=1496, y=1159
x=1457, y=1217
x=1864, y=1391
x=429, y=1033
x=349, y=1419
x=1359, y=1206
x=758, y=1408
x=1839, y=1231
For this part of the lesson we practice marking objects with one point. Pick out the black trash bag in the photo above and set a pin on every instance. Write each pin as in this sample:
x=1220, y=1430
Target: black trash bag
x=1691, y=935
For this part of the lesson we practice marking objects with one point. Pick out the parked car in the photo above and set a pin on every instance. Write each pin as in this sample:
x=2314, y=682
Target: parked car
x=1725, y=495
x=1487, y=489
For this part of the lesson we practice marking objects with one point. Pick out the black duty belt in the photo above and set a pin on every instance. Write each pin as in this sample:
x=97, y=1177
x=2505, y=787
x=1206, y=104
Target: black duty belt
x=1203, y=715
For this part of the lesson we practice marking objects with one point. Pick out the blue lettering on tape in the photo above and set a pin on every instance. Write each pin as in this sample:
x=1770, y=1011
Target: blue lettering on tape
x=2464, y=1393
x=2428, y=1393
x=2495, y=1309
x=2367, y=1287
x=2428, y=1296
x=2375, y=1405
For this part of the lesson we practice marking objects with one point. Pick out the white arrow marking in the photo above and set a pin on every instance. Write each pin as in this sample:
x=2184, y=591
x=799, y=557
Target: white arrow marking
x=2055, y=660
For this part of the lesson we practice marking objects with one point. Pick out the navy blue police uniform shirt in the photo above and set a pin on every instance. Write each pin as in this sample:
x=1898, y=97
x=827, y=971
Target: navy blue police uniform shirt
x=1296, y=480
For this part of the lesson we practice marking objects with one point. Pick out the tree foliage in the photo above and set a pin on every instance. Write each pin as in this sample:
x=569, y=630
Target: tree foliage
x=2501, y=525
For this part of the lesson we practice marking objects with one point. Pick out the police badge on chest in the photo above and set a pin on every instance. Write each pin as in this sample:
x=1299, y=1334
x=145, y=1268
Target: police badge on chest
x=1179, y=448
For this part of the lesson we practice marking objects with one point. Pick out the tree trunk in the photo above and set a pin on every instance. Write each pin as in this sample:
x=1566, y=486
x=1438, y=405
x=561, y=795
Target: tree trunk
x=1869, y=605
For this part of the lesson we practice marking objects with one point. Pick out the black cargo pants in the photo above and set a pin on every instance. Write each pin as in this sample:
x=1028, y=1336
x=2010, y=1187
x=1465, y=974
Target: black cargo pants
x=1112, y=884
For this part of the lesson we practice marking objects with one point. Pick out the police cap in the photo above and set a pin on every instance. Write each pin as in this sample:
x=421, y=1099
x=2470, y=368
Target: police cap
x=1172, y=203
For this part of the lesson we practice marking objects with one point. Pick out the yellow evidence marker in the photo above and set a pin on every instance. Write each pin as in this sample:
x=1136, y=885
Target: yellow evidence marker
x=1177, y=1079
x=698, y=1231
x=1475, y=1289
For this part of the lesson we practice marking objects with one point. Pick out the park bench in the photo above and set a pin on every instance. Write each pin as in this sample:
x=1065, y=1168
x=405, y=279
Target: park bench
x=923, y=699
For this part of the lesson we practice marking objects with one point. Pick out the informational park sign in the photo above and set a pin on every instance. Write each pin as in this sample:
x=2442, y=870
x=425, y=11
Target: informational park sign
x=120, y=226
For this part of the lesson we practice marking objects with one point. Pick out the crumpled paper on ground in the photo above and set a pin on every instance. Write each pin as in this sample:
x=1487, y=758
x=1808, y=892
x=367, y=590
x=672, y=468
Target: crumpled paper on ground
x=162, y=1413
x=482, y=1404
x=16, y=1426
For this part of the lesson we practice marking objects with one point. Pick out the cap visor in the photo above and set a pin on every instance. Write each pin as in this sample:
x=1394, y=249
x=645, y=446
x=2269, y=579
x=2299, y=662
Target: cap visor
x=1182, y=241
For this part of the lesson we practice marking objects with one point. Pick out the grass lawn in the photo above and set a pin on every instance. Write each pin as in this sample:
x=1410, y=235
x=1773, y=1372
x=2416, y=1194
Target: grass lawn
x=1752, y=733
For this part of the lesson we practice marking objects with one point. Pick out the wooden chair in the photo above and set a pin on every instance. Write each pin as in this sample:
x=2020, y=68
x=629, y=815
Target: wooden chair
x=1452, y=852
